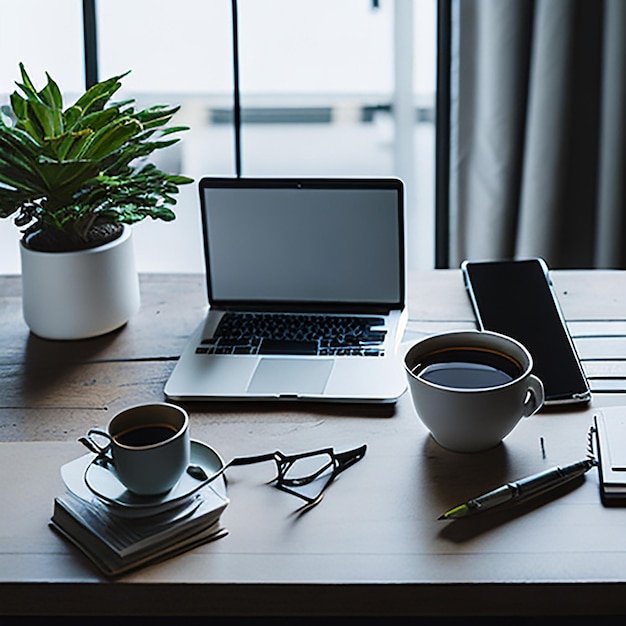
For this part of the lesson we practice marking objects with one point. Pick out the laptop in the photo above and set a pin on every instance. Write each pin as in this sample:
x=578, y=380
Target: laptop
x=306, y=292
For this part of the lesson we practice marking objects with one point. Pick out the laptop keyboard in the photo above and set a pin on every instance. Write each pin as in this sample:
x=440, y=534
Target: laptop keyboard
x=275, y=333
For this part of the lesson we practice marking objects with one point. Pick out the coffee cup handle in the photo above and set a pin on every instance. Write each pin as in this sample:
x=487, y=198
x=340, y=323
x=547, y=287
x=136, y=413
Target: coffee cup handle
x=535, y=396
x=92, y=444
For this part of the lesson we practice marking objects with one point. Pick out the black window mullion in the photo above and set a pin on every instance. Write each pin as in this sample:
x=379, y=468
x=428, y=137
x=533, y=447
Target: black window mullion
x=90, y=43
x=236, y=94
x=442, y=135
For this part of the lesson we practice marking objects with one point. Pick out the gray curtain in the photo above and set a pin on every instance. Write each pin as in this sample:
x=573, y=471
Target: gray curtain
x=538, y=141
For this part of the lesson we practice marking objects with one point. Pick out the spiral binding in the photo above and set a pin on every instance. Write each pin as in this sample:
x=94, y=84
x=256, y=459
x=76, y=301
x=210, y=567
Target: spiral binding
x=591, y=444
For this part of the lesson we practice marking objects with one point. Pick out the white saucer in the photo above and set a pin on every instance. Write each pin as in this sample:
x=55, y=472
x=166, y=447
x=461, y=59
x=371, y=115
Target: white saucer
x=108, y=488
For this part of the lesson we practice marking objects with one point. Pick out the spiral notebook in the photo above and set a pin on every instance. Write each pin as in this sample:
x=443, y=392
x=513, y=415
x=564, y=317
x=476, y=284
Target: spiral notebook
x=610, y=428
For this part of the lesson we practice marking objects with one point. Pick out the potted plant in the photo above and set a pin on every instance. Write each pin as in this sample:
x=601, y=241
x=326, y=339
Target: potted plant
x=74, y=179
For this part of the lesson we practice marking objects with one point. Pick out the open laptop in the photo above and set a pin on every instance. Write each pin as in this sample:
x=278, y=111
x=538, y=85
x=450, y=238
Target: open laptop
x=306, y=289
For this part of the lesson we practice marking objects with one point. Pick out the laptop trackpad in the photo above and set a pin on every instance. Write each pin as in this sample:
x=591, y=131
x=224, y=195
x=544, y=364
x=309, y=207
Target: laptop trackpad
x=290, y=376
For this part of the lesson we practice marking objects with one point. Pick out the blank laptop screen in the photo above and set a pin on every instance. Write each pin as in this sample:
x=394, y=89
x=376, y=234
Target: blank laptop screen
x=304, y=244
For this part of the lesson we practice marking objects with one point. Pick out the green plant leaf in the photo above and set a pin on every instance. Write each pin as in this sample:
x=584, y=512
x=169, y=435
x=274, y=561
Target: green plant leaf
x=51, y=94
x=71, y=143
x=9, y=203
x=65, y=177
x=22, y=113
x=156, y=116
x=19, y=179
x=27, y=86
x=179, y=180
x=99, y=94
x=70, y=116
x=20, y=140
x=18, y=161
x=108, y=139
x=51, y=120
x=173, y=129
x=18, y=104
x=98, y=119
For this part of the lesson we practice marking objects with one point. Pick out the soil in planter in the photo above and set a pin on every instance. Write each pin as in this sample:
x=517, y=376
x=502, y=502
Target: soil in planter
x=58, y=241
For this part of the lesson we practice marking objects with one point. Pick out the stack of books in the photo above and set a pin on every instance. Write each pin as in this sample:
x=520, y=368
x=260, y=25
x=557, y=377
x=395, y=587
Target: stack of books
x=121, y=538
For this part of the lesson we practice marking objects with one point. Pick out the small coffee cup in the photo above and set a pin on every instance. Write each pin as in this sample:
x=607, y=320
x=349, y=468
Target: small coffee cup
x=471, y=388
x=147, y=445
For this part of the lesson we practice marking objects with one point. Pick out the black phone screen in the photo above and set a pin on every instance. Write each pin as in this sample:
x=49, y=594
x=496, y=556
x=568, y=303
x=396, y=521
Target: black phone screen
x=515, y=298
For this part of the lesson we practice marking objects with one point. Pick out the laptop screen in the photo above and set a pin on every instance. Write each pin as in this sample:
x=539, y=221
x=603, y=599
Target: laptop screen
x=305, y=241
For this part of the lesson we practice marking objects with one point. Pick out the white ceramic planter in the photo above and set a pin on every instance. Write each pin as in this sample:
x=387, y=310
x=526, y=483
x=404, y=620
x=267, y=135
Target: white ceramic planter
x=76, y=295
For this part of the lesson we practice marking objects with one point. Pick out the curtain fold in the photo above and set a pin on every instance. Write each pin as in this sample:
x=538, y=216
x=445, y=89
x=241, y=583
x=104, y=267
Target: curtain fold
x=610, y=250
x=537, y=131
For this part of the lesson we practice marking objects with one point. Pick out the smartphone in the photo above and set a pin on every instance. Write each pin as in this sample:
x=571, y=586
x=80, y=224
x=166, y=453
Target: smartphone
x=517, y=298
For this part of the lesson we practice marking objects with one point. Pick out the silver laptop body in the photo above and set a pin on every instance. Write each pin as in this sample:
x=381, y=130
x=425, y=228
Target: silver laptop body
x=317, y=267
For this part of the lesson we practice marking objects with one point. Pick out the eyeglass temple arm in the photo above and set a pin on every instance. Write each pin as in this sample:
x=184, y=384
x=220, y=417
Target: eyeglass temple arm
x=259, y=458
x=350, y=457
x=344, y=459
x=197, y=472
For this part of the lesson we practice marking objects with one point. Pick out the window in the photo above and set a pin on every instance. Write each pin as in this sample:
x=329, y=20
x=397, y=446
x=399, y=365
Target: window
x=320, y=82
x=44, y=36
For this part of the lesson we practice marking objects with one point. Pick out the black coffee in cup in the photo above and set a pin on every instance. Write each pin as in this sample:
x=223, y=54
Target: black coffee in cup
x=467, y=368
x=145, y=435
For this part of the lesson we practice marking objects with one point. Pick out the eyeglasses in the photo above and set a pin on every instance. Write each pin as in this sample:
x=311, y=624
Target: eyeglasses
x=306, y=475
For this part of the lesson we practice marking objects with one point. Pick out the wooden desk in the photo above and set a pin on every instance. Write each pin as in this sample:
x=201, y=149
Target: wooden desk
x=374, y=546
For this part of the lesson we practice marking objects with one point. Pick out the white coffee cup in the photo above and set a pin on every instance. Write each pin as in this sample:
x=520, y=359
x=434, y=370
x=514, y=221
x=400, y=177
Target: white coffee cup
x=148, y=446
x=471, y=388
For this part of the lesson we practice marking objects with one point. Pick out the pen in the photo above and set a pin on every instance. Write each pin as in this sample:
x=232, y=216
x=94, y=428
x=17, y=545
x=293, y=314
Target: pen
x=520, y=489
